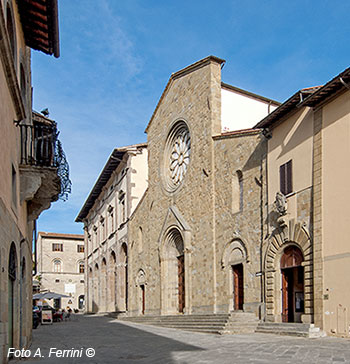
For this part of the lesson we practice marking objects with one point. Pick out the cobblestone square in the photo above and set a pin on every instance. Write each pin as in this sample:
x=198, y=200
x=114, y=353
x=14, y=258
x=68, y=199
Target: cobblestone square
x=120, y=342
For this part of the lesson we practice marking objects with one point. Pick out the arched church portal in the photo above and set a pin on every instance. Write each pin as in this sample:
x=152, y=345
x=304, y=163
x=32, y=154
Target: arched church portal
x=292, y=273
x=288, y=276
x=173, y=273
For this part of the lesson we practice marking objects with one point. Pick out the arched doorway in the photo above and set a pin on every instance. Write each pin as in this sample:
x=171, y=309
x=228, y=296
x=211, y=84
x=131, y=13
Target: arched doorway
x=90, y=291
x=297, y=236
x=173, y=273
x=124, y=276
x=96, y=296
x=23, y=303
x=112, y=282
x=292, y=273
x=12, y=276
x=141, y=283
x=233, y=261
x=81, y=302
x=103, y=283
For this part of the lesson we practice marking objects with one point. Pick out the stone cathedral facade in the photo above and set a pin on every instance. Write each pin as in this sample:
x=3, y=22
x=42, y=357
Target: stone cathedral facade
x=245, y=208
x=196, y=236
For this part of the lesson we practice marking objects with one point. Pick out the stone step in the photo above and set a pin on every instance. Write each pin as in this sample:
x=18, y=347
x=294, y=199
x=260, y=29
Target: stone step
x=213, y=323
x=291, y=329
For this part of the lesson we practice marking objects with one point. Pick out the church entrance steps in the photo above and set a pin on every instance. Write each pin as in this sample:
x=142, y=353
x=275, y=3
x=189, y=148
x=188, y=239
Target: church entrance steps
x=212, y=323
x=290, y=329
x=240, y=322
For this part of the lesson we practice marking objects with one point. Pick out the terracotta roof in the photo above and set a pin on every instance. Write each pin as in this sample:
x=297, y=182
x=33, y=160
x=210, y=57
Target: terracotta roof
x=339, y=83
x=111, y=165
x=61, y=236
x=236, y=133
x=285, y=108
x=39, y=20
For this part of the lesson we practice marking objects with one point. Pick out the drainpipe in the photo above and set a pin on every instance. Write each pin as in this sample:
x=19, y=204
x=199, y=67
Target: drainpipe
x=35, y=249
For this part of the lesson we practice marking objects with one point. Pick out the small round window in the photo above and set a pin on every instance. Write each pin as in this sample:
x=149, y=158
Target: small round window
x=177, y=155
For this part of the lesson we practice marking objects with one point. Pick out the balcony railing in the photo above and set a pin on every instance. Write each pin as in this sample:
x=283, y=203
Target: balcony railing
x=41, y=147
x=38, y=144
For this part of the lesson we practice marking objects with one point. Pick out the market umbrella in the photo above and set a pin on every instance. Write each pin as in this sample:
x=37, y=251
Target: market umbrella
x=48, y=296
x=53, y=295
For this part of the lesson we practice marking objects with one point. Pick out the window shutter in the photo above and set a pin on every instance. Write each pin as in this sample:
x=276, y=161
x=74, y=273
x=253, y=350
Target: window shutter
x=289, y=177
x=282, y=179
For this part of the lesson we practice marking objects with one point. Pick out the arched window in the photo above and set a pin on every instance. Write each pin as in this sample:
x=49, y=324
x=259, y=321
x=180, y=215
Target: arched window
x=81, y=267
x=57, y=266
x=23, y=84
x=237, y=192
x=11, y=31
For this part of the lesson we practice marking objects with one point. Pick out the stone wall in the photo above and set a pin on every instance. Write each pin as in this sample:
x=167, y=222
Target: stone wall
x=242, y=230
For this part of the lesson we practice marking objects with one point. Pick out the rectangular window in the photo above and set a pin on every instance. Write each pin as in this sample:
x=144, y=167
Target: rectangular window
x=286, y=185
x=122, y=206
x=57, y=247
x=14, y=186
x=80, y=248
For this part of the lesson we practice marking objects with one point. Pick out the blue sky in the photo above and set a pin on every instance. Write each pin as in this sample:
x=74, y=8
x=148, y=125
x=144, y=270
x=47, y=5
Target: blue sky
x=117, y=56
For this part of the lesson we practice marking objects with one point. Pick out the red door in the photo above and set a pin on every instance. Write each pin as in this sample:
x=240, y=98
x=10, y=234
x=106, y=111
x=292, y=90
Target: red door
x=238, y=286
x=143, y=298
x=181, y=275
x=285, y=300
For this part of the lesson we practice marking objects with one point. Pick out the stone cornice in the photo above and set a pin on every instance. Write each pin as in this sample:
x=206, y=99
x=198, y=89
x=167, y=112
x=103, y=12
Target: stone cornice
x=9, y=69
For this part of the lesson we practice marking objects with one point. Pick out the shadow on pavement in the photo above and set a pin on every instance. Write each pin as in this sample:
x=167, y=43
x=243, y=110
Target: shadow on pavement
x=112, y=341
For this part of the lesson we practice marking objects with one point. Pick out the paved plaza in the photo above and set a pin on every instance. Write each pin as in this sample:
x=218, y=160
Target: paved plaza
x=120, y=342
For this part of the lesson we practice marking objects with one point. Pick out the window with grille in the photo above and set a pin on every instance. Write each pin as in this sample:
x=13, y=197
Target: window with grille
x=57, y=247
x=81, y=267
x=57, y=266
x=286, y=183
x=80, y=248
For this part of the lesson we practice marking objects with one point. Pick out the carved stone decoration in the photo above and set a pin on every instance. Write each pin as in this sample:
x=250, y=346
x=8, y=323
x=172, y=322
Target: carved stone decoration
x=281, y=208
x=177, y=155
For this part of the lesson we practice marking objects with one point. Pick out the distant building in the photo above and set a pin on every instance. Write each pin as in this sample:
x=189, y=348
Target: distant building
x=61, y=267
x=30, y=157
x=105, y=215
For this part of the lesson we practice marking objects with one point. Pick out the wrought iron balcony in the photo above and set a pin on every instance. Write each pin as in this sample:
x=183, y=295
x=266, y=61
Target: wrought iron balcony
x=40, y=147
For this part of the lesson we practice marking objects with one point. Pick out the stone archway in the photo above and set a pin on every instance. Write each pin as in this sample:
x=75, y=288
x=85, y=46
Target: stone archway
x=297, y=236
x=12, y=295
x=90, y=292
x=122, y=278
x=111, y=272
x=173, y=291
x=233, y=261
x=96, y=291
x=141, y=283
x=103, y=286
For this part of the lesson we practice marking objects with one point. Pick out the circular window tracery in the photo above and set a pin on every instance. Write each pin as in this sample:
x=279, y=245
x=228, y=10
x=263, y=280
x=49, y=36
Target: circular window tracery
x=177, y=155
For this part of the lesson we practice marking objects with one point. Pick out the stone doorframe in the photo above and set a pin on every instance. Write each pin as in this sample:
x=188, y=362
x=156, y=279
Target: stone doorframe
x=235, y=252
x=174, y=223
x=141, y=280
x=297, y=235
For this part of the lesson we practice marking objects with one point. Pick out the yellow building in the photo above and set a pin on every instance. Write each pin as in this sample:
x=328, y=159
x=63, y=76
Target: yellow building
x=29, y=160
x=307, y=254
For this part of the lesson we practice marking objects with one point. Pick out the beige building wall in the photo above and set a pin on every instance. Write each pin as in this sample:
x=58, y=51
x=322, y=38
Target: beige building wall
x=19, y=204
x=336, y=221
x=105, y=220
x=292, y=139
x=64, y=278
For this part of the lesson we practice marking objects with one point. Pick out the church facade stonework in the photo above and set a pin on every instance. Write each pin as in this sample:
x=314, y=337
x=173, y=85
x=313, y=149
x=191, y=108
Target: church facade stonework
x=202, y=214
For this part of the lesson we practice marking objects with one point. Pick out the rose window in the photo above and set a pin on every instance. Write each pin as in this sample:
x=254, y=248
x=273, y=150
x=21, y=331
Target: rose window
x=177, y=155
x=180, y=157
